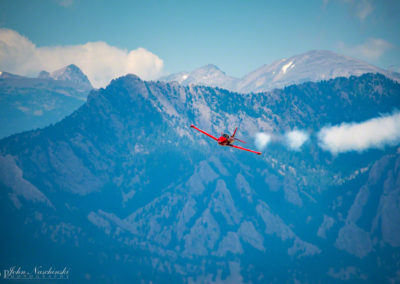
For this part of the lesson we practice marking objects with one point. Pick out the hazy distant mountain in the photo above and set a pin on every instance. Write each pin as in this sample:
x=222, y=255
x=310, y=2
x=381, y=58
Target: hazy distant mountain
x=71, y=74
x=311, y=66
x=28, y=103
x=208, y=75
x=124, y=191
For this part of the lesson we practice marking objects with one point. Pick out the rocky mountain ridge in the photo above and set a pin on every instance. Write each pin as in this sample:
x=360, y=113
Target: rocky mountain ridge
x=126, y=180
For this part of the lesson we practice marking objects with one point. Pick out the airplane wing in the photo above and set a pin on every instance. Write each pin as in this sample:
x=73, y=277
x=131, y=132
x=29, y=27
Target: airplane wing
x=209, y=135
x=241, y=148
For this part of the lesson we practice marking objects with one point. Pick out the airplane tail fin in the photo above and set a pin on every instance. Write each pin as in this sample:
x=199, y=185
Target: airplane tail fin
x=234, y=132
x=233, y=136
x=239, y=140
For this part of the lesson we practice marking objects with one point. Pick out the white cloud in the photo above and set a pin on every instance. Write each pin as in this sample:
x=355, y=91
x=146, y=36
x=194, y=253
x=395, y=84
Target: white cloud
x=262, y=140
x=360, y=8
x=98, y=60
x=373, y=133
x=296, y=138
x=372, y=49
x=363, y=9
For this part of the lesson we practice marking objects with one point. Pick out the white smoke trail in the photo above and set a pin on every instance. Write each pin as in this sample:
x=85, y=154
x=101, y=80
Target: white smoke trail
x=296, y=138
x=374, y=133
x=262, y=139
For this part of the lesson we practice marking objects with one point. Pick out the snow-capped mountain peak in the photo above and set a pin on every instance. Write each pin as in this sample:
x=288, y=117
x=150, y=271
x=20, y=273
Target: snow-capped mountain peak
x=208, y=75
x=210, y=67
x=70, y=73
x=314, y=66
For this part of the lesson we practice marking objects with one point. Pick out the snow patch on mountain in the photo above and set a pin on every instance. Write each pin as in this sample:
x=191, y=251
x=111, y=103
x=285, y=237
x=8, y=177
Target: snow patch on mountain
x=286, y=66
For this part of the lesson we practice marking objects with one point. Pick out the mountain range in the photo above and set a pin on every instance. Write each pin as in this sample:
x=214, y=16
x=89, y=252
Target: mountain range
x=123, y=190
x=27, y=103
x=312, y=66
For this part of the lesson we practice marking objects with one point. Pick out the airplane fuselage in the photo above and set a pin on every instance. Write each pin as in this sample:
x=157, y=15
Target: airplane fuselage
x=225, y=140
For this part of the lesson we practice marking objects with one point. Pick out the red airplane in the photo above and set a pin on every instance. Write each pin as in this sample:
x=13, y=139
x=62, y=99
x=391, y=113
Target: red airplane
x=226, y=140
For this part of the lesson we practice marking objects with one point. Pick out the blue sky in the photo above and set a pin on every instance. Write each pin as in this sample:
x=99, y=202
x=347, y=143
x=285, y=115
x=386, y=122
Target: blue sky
x=237, y=36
